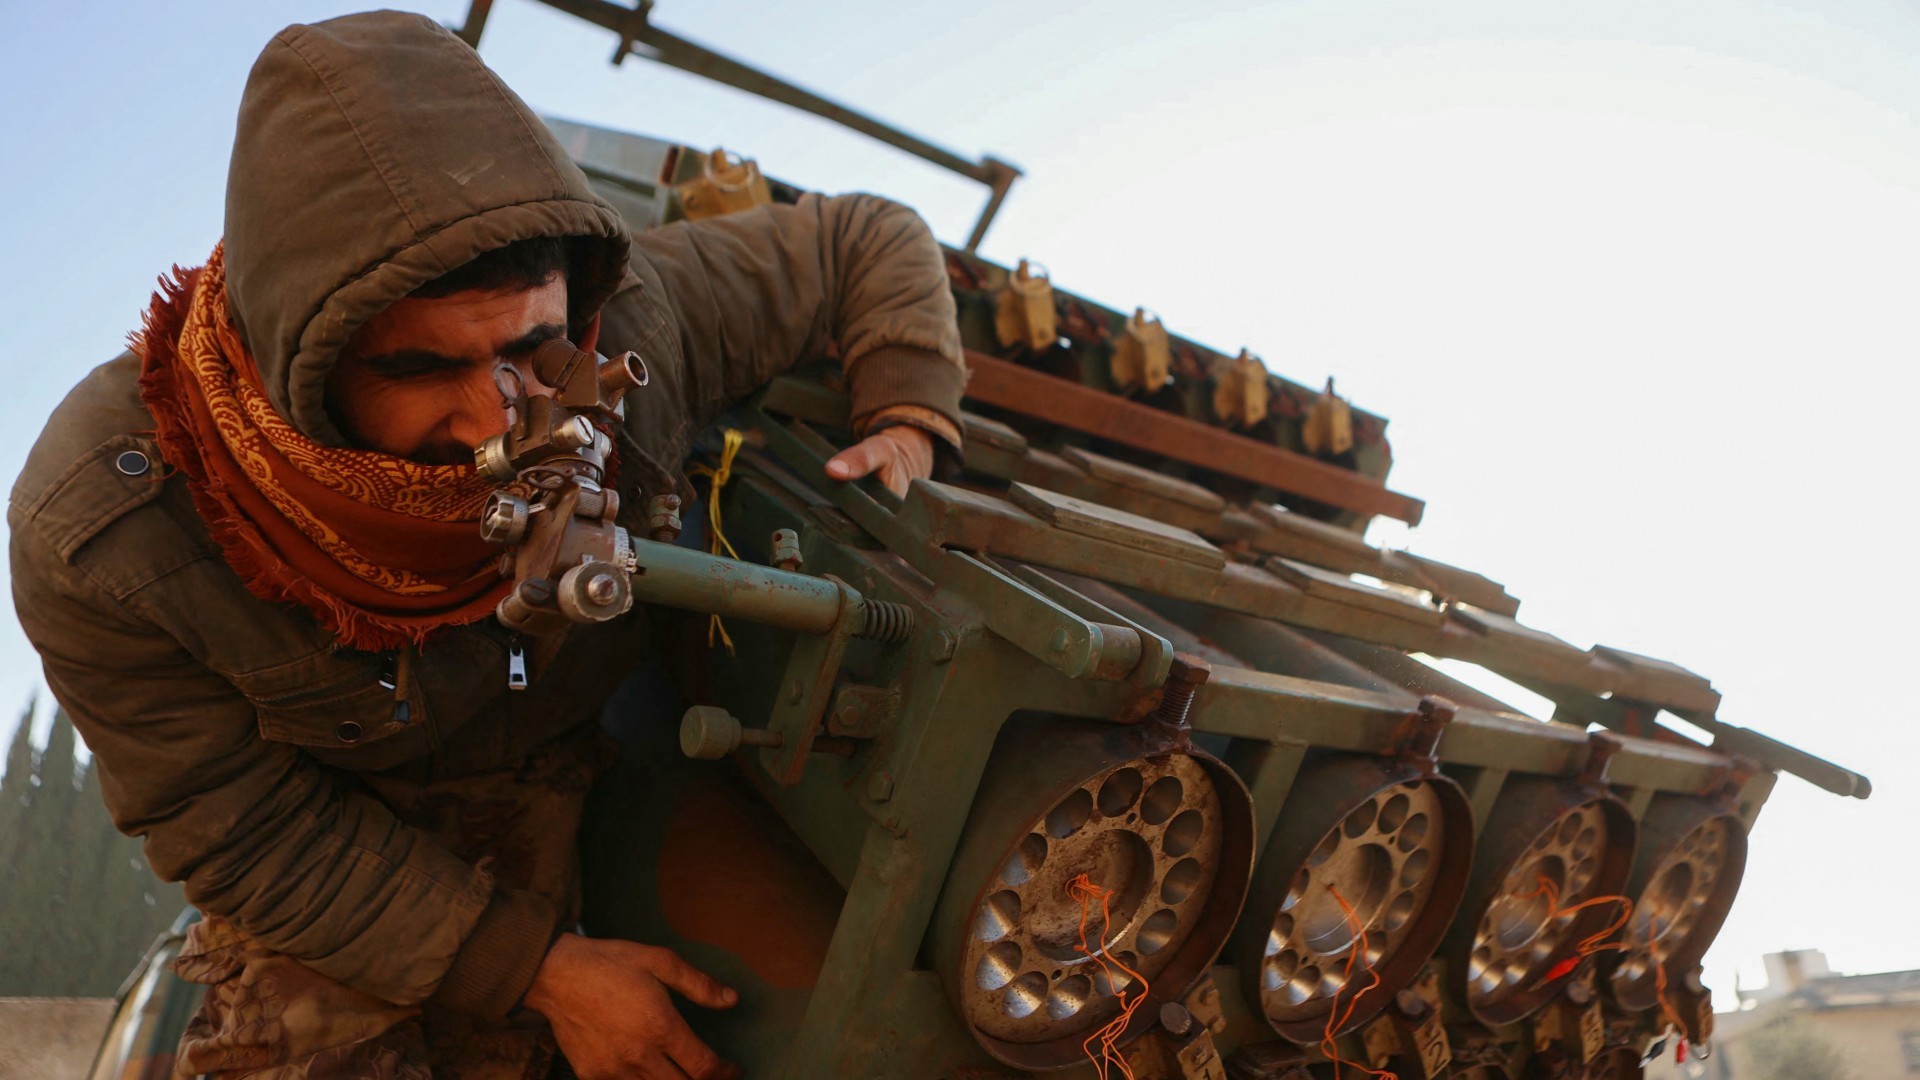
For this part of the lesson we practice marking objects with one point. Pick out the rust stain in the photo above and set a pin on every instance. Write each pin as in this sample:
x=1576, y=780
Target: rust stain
x=727, y=880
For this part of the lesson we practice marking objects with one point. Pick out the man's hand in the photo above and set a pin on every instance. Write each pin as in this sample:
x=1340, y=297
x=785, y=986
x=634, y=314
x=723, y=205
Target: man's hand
x=609, y=1007
x=900, y=454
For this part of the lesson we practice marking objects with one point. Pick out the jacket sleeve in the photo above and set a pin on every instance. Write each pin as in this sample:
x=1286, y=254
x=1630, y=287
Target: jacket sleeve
x=259, y=832
x=750, y=294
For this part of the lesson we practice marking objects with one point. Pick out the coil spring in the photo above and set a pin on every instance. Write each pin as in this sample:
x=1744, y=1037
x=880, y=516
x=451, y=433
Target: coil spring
x=886, y=621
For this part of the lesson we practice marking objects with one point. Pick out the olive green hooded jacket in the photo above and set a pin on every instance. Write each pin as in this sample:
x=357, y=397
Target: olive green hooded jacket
x=374, y=153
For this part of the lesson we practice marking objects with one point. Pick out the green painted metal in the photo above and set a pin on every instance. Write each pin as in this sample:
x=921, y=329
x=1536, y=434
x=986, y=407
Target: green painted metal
x=1057, y=580
x=1036, y=592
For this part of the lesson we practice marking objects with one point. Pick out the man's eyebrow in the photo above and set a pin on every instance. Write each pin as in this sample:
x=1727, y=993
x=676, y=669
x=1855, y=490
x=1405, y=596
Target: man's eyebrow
x=419, y=360
x=533, y=339
x=412, y=360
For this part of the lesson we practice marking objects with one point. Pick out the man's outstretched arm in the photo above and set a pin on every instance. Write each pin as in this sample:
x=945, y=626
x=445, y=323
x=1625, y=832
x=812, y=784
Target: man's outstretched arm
x=730, y=302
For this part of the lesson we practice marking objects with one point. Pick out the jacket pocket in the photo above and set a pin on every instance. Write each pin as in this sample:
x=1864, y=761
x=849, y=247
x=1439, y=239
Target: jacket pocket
x=346, y=717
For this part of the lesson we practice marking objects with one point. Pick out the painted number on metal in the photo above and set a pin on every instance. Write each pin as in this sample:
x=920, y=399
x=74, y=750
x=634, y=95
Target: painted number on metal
x=1593, y=1032
x=1431, y=1039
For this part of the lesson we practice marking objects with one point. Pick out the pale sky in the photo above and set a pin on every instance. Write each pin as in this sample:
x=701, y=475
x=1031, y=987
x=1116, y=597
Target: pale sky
x=1632, y=281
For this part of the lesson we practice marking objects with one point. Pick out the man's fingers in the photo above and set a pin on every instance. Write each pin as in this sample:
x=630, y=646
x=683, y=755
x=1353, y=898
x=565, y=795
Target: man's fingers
x=857, y=460
x=658, y=1066
x=696, y=1057
x=693, y=984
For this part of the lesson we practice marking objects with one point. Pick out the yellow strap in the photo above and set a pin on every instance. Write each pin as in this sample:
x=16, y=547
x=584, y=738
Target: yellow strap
x=732, y=440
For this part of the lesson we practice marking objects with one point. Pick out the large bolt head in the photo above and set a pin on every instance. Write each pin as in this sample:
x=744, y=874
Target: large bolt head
x=594, y=592
x=603, y=589
x=1188, y=669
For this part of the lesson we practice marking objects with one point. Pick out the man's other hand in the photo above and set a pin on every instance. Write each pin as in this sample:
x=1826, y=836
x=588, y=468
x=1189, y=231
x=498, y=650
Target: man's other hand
x=900, y=454
x=611, y=1013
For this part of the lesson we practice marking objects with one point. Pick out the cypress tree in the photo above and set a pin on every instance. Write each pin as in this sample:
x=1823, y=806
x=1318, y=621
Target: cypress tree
x=81, y=903
x=16, y=807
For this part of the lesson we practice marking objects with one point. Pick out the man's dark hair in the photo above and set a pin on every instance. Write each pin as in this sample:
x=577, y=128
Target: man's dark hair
x=523, y=264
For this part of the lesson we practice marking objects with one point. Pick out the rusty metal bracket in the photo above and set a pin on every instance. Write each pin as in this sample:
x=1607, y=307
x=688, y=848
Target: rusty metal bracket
x=862, y=712
x=806, y=688
x=1417, y=739
x=1601, y=747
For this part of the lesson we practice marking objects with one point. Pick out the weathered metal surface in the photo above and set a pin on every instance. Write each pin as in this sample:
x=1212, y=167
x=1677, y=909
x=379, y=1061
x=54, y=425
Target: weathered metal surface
x=1118, y=526
x=1023, y=390
x=1144, y=480
x=1342, y=589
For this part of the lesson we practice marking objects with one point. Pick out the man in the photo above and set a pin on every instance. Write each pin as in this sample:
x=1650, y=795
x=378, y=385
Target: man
x=248, y=554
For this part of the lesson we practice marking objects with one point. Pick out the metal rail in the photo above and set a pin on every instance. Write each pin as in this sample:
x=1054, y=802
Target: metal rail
x=1024, y=390
x=639, y=36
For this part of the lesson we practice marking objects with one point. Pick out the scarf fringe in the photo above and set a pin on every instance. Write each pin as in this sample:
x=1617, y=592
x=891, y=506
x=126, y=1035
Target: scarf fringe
x=156, y=343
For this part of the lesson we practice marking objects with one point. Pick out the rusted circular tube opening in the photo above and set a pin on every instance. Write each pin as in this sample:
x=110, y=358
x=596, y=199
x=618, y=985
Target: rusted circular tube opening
x=1550, y=849
x=1683, y=885
x=1126, y=872
x=1356, y=888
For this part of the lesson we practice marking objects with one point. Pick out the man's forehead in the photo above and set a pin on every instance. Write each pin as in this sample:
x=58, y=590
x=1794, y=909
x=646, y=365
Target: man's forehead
x=466, y=323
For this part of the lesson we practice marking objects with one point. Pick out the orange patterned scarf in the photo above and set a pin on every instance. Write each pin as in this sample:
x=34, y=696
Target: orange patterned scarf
x=382, y=550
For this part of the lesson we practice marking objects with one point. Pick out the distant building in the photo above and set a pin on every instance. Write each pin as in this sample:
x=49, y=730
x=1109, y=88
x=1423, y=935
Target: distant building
x=1809, y=1023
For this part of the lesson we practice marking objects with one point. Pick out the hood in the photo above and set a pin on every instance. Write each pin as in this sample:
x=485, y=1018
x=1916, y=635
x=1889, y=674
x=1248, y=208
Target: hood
x=374, y=153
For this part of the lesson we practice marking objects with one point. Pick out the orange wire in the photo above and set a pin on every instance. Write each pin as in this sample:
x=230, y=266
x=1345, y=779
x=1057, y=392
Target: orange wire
x=1592, y=943
x=1083, y=889
x=1329, y=1044
x=1660, y=978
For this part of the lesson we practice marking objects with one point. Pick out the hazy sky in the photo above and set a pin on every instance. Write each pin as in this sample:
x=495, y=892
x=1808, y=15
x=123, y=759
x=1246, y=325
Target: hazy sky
x=1634, y=283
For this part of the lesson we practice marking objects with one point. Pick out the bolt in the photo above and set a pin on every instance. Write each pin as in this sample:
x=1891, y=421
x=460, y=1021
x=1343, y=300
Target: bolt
x=537, y=592
x=603, y=589
x=573, y=434
x=1060, y=640
x=880, y=786
x=663, y=518
x=1410, y=1004
x=941, y=649
x=793, y=691
x=1579, y=992
x=1175, y=1018
x=1184, y=677
x=786, y=549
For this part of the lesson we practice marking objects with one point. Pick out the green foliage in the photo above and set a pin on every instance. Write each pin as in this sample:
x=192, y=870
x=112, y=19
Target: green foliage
x=80, y=904
x=1790, y=1049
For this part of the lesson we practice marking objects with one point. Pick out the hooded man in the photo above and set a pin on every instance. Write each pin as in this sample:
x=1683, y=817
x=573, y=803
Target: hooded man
x=248, y=554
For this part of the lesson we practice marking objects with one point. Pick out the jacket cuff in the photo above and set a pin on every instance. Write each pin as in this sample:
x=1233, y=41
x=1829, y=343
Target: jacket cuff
x=496, y=964
x=899, y=375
